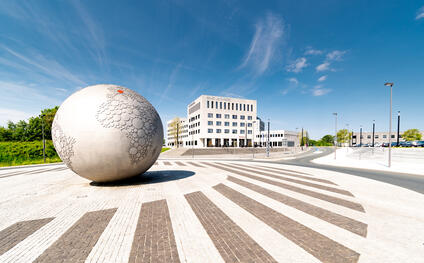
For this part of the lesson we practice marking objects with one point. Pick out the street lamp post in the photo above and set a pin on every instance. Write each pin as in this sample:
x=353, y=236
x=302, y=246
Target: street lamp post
x=373, y=132
x=253, y=140
x=335, y=137
x=360, y=137
x=390, y=122
x=348, y=134
x=267, y=142
x=302, y=143
x=398, y=128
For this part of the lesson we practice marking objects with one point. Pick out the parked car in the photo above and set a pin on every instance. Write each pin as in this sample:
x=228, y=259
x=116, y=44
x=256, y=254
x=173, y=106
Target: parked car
x=405, y=144
x=418, y=144
x=385, y=144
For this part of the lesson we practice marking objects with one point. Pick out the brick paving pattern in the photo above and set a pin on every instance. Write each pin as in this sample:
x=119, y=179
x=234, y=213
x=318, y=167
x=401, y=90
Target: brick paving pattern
x=76, y=243
x=181, y=164
x=318, y=186
x=328, y=198
x=347, y=223
x=195, y=164
x=282, y=170
x=167, y=163
x=17, y=232
x=232, y=242
x=318, y=245
x=294, y=175
x=154, y=237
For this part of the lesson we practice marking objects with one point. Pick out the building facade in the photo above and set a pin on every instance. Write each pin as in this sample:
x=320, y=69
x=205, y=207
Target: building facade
x=277, y=138
x=176, y=127
x=379, y=138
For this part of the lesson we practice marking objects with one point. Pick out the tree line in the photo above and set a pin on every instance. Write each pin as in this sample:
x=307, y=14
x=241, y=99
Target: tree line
x=23, y=131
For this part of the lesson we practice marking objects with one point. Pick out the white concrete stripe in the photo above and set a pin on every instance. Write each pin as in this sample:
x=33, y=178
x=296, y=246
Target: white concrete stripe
x=280, y=248
x=359, y=216
x=329, y=230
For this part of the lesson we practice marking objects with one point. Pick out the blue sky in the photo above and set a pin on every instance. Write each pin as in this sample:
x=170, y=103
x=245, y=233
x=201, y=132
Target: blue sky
x=301, y=60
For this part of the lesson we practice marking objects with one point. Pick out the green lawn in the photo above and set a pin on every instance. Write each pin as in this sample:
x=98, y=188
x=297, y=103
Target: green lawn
x=21, y=153
x=164, y=149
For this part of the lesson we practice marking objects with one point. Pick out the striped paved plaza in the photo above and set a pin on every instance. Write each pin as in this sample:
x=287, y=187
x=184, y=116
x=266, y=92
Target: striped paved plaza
x=208, y=211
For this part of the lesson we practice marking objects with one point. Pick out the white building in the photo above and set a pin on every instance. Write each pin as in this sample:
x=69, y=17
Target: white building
x=171, y=134
x=214, y=121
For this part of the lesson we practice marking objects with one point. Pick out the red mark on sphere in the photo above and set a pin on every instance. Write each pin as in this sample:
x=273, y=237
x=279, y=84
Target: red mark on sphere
x=120, y=91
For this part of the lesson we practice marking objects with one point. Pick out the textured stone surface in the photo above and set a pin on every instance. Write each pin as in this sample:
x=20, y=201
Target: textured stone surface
x=107, y=133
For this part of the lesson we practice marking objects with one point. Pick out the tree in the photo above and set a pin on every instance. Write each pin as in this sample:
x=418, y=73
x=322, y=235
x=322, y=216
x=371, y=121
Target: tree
x=328, y=139
x=175, y=131
x=412, y=135
x=343, y=136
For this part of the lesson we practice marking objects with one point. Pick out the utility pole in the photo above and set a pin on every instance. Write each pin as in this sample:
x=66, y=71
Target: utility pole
x=253, y=140
x=360, y=137
x=335, y=137
x=267, y=142
x=178, y=141
x=398, y=128
x=390, y=123
x=373, y=132
x=301, y=141
x=44, y=141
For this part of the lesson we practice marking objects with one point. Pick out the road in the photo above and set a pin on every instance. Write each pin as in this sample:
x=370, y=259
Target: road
x=409, y=181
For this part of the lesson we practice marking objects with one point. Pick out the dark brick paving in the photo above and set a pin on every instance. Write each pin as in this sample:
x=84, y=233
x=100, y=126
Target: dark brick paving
x=318, y=186
x=331, y=217
x=78, y=241
x=232, y=242
x=313, y=242
x=294, y=175
x=17, y=232
x=167, y=163
x=154, y=239
x=196, y=164
x=328, y=198
x=181, y=164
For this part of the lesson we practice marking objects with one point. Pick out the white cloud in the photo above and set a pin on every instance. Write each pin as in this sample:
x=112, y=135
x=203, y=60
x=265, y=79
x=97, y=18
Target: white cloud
x=335, y=55
x=293, y=83
x=322, y=78
x=297, y=66
x=323, y=67
x=293, y=80
x=268, y=36
x=319, y=90
x=311, y=51
x=420, y=13
x=13, y=115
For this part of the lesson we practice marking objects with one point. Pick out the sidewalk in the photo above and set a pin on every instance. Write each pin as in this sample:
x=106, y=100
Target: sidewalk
x=403, y=160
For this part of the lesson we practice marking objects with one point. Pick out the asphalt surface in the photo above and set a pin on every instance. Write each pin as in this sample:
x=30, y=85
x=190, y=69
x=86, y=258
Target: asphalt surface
x=409, y=181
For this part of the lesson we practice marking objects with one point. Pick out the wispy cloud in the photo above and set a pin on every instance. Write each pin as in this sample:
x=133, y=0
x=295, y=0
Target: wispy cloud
x=293, y=83
x=13, y=115
x=319, y=90
x=265, y=43
x=335, y=55
x=420, y=13
x=171, y=82
x=311, y=51
x=322, y=78
x=323, y=67
x=297, y=66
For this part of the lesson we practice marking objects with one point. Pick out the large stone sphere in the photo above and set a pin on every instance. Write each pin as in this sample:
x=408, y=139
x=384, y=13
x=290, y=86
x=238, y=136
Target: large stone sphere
x=107, y=132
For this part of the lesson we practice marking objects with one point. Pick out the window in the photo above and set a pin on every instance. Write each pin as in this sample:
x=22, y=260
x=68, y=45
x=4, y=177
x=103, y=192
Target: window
x=227, y=116
x=241, y=131
x=212, y=104
x=241, y=124
x=393, y=136
x=249, y=118
x=234, y=117
x=227, y=123
x=369, y=137
x=218, y=115
x=225, y=105
x=210, y=122
x=210, y=130
x=244, y=107
x=376, y=136
x=218, y=123
x=384, y=136
x=218, y=130
x=207, y=104
x=220, y=105
x=216, y=105
x=226, y=131
x=251, y=107
x=236, y=106
x=232, y=106
x=234, y=131
x=249, y=124
x=249, y=132
x=210, y=115
x=234, y=124
x=241, y=117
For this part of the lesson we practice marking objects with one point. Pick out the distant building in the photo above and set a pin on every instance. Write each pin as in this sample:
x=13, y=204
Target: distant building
x=171, y=134
x=214, y=121
x=379, y=137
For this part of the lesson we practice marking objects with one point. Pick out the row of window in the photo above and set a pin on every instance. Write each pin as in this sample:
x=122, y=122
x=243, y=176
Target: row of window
x=227, y=116
x=197, y=124
x=227, y=124
x=229, y=105
x=376, y=136
x=194, y=118
x=228, y=131
x=194, y=132
x=271, y=135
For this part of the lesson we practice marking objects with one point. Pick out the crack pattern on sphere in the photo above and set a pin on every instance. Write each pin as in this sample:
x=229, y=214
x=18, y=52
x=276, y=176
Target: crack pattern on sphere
x=134, y=116
x=63, y=144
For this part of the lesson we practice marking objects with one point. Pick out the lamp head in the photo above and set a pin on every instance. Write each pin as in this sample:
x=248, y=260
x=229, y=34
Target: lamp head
x=389, y=84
